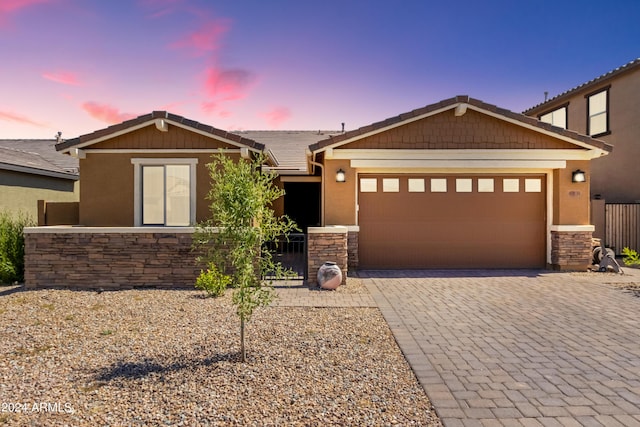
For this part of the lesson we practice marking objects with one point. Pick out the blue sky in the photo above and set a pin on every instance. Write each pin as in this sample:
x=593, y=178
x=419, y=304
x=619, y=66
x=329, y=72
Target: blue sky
x=79, y=65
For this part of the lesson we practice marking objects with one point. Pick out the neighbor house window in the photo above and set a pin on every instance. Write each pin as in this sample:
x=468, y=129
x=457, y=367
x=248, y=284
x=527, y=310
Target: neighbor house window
x=598, y=113
x=556, y=117
x=164, y=193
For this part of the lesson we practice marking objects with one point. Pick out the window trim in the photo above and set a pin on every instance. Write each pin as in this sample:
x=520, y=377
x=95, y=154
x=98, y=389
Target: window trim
x=607, y=117
x=559, y=107
x=138, y=163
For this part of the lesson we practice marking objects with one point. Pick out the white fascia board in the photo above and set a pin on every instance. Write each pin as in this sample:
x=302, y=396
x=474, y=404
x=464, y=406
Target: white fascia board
x=386, y=128
x=153, y=122
x=540, y=130
x=160, y=150
x=470, y=154
x=110, y=136
x=209, y=135
x=595, y=152
x=457, y=164
x=36, y=171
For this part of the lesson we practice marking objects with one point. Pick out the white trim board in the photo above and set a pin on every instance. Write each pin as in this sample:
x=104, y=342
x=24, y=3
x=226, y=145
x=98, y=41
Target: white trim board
x=458, y=164
x=462, y=154
x=597, y=152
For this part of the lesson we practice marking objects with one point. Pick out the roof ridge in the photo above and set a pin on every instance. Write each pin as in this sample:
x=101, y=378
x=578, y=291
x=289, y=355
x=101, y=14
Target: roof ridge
x=629, y=65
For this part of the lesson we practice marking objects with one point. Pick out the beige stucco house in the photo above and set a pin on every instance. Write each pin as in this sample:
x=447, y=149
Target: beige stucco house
x=456, y=184
x=607, y=108
x=32, y=170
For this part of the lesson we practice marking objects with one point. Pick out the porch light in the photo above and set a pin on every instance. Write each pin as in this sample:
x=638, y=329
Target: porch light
x=578, y=176
x=341, y=176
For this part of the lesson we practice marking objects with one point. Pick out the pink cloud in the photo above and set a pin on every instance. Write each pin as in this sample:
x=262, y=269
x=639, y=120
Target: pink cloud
x=9, y=116
x=277, y=115
x=204, y=40
x=209, y=107
x=8, y=7
x=106, y=113
x=227, y=84
x=63, y=77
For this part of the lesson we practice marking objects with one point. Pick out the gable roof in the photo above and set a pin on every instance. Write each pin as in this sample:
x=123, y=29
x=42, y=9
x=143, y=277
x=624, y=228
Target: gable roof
x=462, y=102
x=37, y=156
x=158, y=118
x=633, y=65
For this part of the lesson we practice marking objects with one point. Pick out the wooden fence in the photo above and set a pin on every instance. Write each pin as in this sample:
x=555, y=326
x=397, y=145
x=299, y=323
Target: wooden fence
x=622, y=226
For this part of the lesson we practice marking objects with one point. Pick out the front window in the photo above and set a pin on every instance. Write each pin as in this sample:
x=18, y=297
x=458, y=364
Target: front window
x=556, y=117
x=597, y=113
x=164, y=192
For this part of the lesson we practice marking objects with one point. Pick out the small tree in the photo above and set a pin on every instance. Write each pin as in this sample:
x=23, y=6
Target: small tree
x=242, y=220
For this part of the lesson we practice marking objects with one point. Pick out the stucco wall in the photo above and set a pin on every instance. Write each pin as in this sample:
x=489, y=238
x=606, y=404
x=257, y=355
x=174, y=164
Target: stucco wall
x=614, y=175
x=340, y=197
x=20, y=192
x=571, y=201
x=107, y=192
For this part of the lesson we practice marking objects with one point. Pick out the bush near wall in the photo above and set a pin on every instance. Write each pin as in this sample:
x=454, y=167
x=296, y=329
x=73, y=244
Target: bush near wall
x=12, y=246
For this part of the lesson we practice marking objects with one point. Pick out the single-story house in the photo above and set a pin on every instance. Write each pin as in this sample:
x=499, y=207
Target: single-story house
x=32, y=170
x=456, y=184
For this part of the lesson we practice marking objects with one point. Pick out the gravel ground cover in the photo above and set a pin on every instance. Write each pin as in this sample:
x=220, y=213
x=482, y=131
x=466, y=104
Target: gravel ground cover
x=170, y=357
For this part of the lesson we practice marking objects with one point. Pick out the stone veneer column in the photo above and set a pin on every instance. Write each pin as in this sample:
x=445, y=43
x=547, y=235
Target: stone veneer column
x=571, y=247
x=353, y=232
x=326, y=244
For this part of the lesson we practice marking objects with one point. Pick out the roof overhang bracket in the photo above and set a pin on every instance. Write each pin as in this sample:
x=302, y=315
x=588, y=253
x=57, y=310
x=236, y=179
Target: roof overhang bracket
x=162, y=125
x=461, y=109
x=78, y=153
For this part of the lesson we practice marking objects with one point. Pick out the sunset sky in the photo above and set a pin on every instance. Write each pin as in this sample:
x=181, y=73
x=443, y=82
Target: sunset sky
x=80, y=65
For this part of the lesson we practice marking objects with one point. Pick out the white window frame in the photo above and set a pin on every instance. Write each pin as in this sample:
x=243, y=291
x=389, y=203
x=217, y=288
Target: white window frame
x=557, y=117
x=591, y=115
x=138, y=163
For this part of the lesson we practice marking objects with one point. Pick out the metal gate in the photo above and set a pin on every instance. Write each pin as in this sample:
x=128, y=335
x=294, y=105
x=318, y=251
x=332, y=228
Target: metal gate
x=291, y=252
x=622, y=226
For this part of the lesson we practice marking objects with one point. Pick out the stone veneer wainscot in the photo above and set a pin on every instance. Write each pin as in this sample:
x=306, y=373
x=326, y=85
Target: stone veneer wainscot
x=109, y=258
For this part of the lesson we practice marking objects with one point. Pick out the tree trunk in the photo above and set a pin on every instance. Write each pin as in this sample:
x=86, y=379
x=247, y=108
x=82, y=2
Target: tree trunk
x=243, y=354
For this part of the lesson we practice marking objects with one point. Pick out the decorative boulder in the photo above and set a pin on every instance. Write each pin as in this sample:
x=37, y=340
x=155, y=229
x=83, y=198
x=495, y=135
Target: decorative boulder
x=329, y=276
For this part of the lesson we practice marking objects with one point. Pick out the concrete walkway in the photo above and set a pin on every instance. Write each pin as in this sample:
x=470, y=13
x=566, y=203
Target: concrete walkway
x=521, y=348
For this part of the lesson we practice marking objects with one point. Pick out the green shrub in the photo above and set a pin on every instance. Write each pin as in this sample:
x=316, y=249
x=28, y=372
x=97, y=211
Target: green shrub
x=12, y=246
x=630, y=257
x=213, y=282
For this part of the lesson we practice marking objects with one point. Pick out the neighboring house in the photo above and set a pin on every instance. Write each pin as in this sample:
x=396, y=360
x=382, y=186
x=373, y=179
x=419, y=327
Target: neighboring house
x=457, y=184
x=32, y=170
x=607, y=108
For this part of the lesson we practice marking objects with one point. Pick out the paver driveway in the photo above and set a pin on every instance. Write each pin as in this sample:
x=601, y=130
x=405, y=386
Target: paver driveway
x=518, y=347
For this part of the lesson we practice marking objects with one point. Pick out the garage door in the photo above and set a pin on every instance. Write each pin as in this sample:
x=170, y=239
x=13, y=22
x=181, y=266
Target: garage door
x=458, y=221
